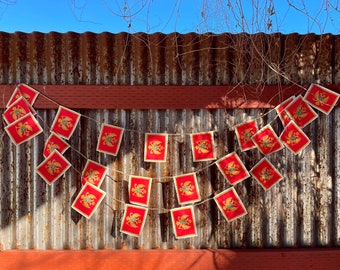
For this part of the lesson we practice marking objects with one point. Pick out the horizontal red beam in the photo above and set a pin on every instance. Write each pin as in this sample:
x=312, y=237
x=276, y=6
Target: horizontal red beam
x=159, y=96
x=173, y=259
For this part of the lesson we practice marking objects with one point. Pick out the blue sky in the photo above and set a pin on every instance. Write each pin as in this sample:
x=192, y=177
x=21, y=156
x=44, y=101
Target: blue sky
x=168, y=16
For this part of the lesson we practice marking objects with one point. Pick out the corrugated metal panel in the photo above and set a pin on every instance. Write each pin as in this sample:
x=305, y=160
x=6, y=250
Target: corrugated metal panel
x=303, y=210
x=175, y=59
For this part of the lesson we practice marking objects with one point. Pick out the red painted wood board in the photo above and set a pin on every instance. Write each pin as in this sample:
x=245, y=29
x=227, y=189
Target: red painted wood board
x=159, y=96
x=234, y=259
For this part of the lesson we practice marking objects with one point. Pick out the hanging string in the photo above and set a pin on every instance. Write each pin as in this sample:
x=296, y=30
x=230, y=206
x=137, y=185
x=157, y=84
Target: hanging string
x=111, y=178
x=159, y=179
x=160, y=210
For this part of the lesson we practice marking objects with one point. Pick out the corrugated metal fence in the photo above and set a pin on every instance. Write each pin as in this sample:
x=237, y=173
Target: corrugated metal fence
x=303, y=210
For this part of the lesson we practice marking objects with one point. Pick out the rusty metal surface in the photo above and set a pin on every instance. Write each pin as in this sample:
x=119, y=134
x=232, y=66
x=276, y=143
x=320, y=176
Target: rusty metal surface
x=172, y=59
x=303, y=210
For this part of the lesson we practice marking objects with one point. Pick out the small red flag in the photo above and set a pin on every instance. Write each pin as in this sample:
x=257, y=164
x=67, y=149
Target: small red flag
x=321, y=98
x=183, y=221
x=232, y=168
x=203, y=146
x=65, y=122
x=17, y=109
x=280, y=109
x=139, y=190
x=267, y=141
x=294, y=138
x=244, y=132
x=301, y=112
x=23, y=90
x=133, y=220
x=54, y=142
x=155, y=149
x=230, y=204
x=88, y=200
x=53, y=167
x=110, y=138
x=187, y=188
x=93, y=173
x=23, y=129
x=266, y=174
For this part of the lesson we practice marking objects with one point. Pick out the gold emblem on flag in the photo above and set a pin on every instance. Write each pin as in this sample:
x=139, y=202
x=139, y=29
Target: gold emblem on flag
x=267, y=141
x=202, y=146
x=24, y=129
x=293, y=138
x=183, y=222
x=232, y=169
x=230, y=205
x=138, y=190
x=88, y=200
x=155, y=147
x=65, y=122
x=92, y=176
x=247, y=134
x=266, y=174
x=109, y=139
x=133, y=220
x=17, y=112
x=320, y=99
x=187, y=188
x=53, y=167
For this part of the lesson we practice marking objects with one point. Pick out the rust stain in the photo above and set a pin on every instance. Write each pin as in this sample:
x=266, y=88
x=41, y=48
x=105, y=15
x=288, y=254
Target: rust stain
x=175, y=83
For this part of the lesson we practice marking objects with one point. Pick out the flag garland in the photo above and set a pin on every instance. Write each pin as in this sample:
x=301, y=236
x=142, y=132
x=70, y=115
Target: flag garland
x=23, y=91
x=301, y=112
x=23, y=129
x=321, y=98
x=19, y=108
x=230, y=204
x=295, y=113
x=54, y=166
x=133, y=220
x=294, y=138
x=109, y=140
x=232, y=168
x=266, y=174
x=244, y=133
x=54, y=142
x=203, y=146
x=267, y=141
x=93, y=173
x=88, y=200
x=155, y=148
x=139, y=190
x=65, y=122
x=187, y=189
x=281, y=112
x=183, y=221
